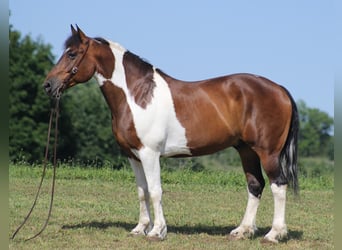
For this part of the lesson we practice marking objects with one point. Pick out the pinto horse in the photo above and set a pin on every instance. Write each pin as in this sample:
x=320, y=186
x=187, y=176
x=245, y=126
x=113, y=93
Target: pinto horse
x=154, y=115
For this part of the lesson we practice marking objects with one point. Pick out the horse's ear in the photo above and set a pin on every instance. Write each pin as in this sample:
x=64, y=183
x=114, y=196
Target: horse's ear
x=73, y=31
x=81, y=34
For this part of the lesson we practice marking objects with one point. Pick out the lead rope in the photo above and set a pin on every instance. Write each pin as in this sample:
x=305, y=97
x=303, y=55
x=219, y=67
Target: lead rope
x=54, y=111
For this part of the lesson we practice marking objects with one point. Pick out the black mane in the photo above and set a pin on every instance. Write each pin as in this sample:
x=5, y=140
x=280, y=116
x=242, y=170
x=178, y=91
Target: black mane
x=101, y=40
x=142, y=64
x=74, y=40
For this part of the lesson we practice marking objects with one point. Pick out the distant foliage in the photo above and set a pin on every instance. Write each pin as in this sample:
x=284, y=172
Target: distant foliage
x=91, y=126
x=85, y=134
x=316, y=132
x=29, y=62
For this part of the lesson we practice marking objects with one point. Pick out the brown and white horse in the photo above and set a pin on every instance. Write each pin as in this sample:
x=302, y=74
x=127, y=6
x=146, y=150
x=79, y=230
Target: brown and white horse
x=155, y=115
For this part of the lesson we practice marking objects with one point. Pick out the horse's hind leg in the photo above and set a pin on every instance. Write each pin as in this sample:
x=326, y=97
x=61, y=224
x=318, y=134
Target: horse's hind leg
x=255, y=185
x=278, y=230
x=271, y=166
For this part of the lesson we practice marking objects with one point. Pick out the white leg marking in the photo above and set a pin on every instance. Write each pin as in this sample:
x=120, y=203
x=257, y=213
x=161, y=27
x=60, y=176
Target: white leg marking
x=144, y=224
x=247, y=226
x=278, y=229
x=151, y=165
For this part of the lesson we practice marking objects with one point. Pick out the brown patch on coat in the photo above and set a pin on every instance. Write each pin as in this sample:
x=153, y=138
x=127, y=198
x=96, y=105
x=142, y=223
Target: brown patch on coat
x=219, y=112
x=104, y=58
x=139, y=78
x=122, y=119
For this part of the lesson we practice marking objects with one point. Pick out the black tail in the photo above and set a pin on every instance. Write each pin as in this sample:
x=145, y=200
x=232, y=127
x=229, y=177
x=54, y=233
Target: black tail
x=288, y=155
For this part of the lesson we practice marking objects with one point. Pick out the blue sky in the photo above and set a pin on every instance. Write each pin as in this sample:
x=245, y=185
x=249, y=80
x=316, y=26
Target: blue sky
x=290, y=42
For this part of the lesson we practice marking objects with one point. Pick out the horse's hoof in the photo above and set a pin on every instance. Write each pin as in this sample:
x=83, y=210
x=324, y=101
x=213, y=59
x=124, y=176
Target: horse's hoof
x=154, y=238
x=157, y=235
x=235, y=237
x=275, y=235
x=136, y=234
x=268, y=241
x=241, y=233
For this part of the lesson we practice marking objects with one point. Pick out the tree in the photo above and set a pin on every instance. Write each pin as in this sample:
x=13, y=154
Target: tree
x=315, y=134
x=90, y=121
x=29, y=62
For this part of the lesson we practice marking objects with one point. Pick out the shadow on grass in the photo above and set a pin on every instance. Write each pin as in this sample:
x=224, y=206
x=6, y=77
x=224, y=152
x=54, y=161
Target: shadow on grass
x=182, y=229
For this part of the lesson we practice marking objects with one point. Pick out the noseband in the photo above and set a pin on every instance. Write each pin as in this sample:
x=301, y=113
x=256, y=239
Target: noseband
x=74, y=69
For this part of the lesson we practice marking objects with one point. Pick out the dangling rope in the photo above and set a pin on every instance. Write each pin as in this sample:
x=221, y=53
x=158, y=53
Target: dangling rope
x=54, y=112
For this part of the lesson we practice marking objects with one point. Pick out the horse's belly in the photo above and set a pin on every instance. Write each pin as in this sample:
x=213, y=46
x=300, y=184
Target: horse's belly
x=175, y=150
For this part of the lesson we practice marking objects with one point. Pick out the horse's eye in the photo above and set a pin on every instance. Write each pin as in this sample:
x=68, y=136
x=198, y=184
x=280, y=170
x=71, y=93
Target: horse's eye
x=72, y=55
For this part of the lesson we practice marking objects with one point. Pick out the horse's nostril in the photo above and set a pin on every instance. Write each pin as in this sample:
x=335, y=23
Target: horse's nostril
x=47, y=86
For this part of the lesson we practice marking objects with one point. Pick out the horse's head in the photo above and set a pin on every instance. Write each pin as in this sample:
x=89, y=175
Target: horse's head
x=76, y=65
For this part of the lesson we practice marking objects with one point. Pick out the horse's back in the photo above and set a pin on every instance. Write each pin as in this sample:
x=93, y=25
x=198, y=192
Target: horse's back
x=219, y=112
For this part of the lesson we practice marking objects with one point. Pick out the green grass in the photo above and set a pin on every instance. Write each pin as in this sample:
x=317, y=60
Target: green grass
x=96, y=209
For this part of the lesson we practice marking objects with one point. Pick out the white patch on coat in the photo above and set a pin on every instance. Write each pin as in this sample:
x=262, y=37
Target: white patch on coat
x=157, y=125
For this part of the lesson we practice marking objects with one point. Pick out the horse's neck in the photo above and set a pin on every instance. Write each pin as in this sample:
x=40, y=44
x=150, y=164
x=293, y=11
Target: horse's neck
x=133, y=75
x=119, y=87
x=115, y=97
x=112, y=83
x=132, y=79
x=118, y=75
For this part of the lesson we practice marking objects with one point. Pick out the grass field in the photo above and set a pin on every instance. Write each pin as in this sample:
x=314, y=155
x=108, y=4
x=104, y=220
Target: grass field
x=96, y=209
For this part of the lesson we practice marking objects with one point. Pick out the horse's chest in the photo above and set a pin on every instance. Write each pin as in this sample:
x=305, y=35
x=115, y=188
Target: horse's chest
x=156, y=125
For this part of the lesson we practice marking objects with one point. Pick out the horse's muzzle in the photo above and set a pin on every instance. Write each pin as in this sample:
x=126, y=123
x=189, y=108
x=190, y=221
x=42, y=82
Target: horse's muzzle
x=53, y=88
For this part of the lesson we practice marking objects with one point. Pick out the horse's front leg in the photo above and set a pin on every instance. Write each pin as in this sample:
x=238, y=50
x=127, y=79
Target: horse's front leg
x=151, y=166
x=145, y=224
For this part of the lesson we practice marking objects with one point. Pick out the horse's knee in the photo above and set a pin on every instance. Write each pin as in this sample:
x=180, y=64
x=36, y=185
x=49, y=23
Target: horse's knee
x=155, y=193
x=143, y=194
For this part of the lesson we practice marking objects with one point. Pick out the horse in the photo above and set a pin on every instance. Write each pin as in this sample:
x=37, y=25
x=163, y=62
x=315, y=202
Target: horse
x=155, y=115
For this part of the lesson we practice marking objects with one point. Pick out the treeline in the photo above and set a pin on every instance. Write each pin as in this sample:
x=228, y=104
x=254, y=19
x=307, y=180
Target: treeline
x=85, y=135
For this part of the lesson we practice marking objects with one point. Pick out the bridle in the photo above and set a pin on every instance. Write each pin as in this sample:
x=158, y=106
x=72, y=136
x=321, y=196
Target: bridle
x=54, y=112
x=73, y=70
